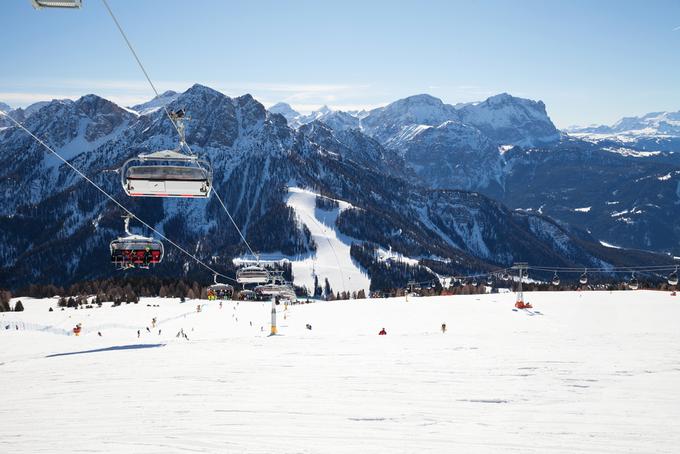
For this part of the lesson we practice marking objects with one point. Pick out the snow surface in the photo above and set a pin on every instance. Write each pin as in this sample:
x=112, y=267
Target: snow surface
x=596, y=372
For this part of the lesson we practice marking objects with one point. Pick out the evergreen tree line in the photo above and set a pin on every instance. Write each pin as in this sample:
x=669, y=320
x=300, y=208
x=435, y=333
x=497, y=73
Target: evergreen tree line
x=388, y=275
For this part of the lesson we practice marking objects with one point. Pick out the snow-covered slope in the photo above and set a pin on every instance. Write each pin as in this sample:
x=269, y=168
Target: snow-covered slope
x=596, y=372
x=507, y=119
x=156, y=103
x=331, y=260
x=291, y=115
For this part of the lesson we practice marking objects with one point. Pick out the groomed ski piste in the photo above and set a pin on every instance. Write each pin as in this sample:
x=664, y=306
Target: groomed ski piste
x=586, y=372
x=332, y=259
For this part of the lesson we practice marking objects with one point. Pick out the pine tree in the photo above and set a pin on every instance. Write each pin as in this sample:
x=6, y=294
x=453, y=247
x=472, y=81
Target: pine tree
x=328, y=291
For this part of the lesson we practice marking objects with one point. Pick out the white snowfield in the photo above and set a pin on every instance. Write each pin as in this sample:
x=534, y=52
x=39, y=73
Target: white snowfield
x=594, y=372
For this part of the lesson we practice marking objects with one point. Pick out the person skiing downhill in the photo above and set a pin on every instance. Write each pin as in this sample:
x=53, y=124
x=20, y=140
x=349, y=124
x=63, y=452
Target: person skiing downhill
x=382, y=332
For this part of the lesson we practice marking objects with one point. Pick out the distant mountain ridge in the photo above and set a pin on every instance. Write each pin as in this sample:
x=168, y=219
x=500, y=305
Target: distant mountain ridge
x=56, y=228
x=651, y=124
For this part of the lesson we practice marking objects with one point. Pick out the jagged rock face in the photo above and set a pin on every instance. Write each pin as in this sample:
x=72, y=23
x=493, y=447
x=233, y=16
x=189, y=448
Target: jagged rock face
x=509, y=120
x=73, y=129
x=453, y=147
x=288, y=113
x=352, y=145
x=390, y=124
x=622, y=200
x=340, y=121
x=454, y=155
x=55, y=227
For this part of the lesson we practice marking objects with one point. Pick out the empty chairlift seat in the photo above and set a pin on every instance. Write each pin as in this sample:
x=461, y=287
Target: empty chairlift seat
x=167, y=174
x=252, y=275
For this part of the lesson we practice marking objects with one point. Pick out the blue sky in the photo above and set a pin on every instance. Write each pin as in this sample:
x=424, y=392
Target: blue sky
x=590, y=62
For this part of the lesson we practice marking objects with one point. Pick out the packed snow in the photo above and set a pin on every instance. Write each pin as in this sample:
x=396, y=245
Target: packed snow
x=590, y=372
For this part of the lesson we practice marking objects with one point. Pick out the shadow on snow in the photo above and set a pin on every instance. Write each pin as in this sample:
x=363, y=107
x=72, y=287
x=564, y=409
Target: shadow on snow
x=108, y=349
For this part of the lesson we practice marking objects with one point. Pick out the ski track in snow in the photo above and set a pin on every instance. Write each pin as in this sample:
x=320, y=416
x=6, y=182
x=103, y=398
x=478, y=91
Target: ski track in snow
x=597, y=372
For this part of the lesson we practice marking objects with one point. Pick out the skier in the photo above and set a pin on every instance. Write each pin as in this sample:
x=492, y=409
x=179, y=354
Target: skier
x=138, y=333
x=382, y=332
x=443, y=327
x=147, y=256
x=153, y=322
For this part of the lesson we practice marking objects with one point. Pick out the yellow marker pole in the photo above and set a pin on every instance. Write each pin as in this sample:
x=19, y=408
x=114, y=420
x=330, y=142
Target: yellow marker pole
x=274, y=331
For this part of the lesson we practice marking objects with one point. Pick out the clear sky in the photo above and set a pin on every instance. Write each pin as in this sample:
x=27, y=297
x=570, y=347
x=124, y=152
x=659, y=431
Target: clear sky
x=589, y=61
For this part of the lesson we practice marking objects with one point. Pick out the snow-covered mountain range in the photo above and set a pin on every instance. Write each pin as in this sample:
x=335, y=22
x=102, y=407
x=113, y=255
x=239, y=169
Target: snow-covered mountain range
x=651, y=124
x=405, y=170
x=508, y=149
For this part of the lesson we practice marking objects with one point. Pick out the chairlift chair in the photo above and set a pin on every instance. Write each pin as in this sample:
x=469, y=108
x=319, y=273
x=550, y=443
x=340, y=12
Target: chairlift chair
x=283, y=291
x=167, y=173
x=253, y=274
x=673, y=277
x=135, y=251
x=40, y=4
x=584, y=278
x=556, y=280
x=633, y=283
x=221, y=291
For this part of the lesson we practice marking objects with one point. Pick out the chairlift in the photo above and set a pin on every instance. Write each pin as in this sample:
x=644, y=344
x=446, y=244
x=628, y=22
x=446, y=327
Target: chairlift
x=506, y=276
x=673, y=277
x=135, y=251
x=489, y=280
x=584, y=278
x=282, y=290
x=556, y=279
x=252, y=274
x=219, y=290
x=633, y=283
x=168, y=173
x=40, y=4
